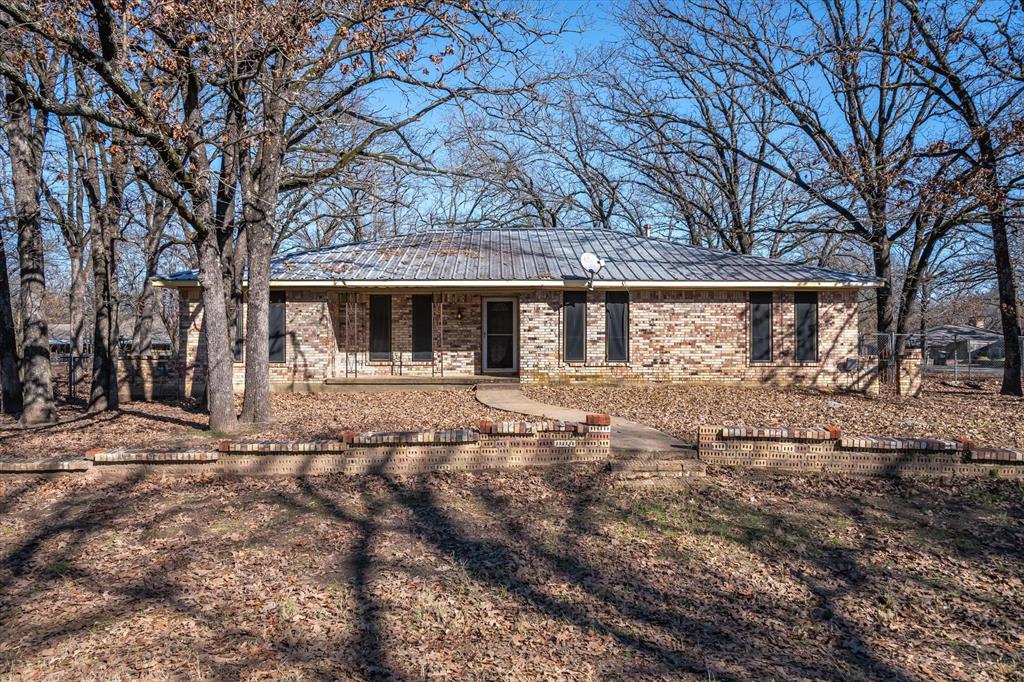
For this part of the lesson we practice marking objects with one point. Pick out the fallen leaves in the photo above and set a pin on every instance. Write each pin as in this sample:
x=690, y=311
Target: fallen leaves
x=308, y=416
x=468, y=575
x=945, y=410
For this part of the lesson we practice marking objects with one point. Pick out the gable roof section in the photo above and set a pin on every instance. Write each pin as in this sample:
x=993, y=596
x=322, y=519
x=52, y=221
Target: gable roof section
x=527, y=257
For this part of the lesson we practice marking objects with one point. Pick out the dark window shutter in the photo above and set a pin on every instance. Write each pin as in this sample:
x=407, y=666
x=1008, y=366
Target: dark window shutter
x=616, y=306
x=276, y=326
x=806, y=303
x=574, y=311
x=760, y=327
x=239, y=340
x=380, y=327
x=422, y=327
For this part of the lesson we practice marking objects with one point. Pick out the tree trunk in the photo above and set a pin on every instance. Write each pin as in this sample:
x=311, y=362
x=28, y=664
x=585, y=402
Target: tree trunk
x=76, y=305
x=1008, y=312
x=261, y=184
x=219, y=388
x=26, y=142
x=881, y=252
x=103, y=393
x=256, y=405
x=10, y=377
x=142, y=332
x=158, y=214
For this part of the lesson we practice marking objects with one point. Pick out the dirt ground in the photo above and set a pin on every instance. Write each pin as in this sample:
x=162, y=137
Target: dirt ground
x=945, y=410
x=539, y=574
x=296, y=416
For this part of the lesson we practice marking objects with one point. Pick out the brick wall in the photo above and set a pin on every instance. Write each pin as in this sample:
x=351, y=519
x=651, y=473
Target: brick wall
x=455, y=335
x=690, y=335
x=500, y=445
x=826, y=450
x=673, y=336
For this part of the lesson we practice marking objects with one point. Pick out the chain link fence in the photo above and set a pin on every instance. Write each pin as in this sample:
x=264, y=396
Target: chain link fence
x=965, y=354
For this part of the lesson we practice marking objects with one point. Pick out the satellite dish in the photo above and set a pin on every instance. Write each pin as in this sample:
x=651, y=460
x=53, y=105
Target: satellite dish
x=591, y=263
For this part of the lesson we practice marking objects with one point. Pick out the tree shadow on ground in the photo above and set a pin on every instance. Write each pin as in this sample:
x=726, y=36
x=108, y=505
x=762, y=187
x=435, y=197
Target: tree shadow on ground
x=566, y=551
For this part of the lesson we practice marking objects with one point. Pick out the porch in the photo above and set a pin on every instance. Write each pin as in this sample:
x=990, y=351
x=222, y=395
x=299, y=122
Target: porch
x=439, y=338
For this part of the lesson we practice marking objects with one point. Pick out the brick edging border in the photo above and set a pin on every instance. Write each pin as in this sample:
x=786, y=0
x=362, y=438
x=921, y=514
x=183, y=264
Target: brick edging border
x=826, y=448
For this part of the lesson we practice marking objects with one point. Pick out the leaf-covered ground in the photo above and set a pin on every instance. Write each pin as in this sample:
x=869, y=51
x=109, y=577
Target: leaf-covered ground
x=540, y=574
x=296, y=416
x=945, y=410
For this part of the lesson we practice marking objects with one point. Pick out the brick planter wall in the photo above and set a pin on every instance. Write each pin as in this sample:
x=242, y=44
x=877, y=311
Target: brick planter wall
x=491, y=446
x=826, y=450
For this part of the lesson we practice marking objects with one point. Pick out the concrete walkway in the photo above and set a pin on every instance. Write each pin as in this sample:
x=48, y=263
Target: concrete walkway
x=627, y=436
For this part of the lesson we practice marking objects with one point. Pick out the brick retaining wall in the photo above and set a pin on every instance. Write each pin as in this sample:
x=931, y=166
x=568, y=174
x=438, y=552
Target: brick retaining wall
x=493, y=445
x=825, y=449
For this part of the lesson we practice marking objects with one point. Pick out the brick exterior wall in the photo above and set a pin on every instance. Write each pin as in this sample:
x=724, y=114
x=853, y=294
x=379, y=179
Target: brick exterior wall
x=690, y=335
x=673, y=336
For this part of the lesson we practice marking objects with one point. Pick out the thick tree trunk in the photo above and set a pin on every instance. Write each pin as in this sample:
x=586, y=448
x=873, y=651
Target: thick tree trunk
x=26, y=142
x=881, y=252
x=103, y=393
x=1008, y=312
x=219, y=390
x=142, y=332
x=261, y=184
x=256, y=405
x=10, y=376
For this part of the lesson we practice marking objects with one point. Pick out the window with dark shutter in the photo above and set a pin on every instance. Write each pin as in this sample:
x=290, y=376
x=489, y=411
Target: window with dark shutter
x=616, y=314
x=806, y=304
x=574, y=312
x=422, y=327
x=276, y=326
x=760, y=327
x=380, y=327
x=239, y=341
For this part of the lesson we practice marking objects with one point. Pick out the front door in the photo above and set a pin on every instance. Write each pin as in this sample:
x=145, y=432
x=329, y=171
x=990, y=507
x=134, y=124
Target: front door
x=501, y=335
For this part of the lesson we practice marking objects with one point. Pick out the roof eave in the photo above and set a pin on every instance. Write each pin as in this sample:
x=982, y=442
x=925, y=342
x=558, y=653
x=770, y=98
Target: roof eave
x=545, y=284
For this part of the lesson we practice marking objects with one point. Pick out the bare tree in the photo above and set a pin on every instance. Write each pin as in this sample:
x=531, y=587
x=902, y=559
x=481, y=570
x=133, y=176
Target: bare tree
x=847, y=144
x=26, y=129
x=969, y=58
x=156, y=214
x=316, y=60
x=10, y=376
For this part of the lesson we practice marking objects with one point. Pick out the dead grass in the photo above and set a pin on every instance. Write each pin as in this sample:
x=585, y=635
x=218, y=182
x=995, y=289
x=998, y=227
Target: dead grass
x=946, y=410
x=542, y=574
x=296, y=416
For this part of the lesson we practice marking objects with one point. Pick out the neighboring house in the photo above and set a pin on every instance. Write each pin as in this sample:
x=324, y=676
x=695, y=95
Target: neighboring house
x=60, y=337
x=517, y=302
x=964, y=343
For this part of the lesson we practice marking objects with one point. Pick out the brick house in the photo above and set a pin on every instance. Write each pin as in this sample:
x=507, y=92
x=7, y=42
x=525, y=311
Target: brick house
x=460, y=304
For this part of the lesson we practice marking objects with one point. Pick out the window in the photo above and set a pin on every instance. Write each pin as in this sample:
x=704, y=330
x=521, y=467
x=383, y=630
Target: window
x=806, y=304
x=238, y=343
x=616, y=316
x=760, y=327
x=276, y=326
x=380, y=327
x=574, y=312
x=422, y=327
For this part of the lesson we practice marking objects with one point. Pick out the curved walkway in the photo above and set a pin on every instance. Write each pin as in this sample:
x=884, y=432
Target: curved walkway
x=627, y=436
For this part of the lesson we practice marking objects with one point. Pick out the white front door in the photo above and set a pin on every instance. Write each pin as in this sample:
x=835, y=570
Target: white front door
x=500, y=335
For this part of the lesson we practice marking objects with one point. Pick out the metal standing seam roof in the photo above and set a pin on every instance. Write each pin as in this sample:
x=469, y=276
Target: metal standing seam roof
x=545, y=255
